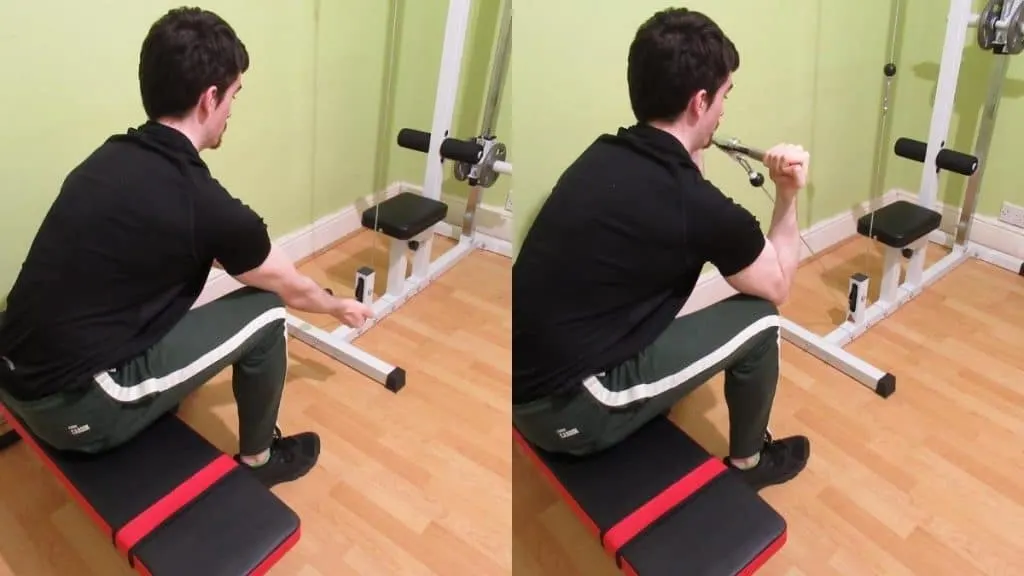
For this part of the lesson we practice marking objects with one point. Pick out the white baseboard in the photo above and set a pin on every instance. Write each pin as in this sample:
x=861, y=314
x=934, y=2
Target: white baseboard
x=493, y=224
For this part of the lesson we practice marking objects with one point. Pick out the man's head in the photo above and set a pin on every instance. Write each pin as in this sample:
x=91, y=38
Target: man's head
x=190, y=69
x=680, y=70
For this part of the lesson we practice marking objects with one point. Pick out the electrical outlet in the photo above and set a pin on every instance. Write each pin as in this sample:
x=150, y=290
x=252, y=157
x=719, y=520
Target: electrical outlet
x=1012, y=214
x=508, y=201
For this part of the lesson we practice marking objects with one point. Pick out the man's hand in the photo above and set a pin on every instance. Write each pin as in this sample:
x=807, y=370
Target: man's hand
x=787, y=167
x=352, y=313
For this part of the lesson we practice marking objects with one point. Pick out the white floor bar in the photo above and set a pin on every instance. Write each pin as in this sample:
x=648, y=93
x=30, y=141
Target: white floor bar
x=835, y=356
x=400, y=288
x=896, y=291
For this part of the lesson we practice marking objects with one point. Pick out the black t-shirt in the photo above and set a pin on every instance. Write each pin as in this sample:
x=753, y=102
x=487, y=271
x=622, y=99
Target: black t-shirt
x=120, y=258
x=613, y=255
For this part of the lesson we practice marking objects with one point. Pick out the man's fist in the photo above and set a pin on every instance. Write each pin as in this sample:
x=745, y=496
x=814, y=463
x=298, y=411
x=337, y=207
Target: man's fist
x=787, y=167
x=352, y=313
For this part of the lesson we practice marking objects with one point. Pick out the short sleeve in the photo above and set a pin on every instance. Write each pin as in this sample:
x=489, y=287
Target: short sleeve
x=726, y=234
x=229, y=231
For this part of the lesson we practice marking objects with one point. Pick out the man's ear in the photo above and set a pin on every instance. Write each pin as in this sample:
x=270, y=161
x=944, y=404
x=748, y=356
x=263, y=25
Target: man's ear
x=208, y=101
x=700, y=102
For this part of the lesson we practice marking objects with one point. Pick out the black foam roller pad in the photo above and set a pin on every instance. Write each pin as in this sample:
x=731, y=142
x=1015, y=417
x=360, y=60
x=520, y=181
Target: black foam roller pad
x=946, y=159
x=414, y=139
x=461, y=150
x=958, y=162
x=911, y=149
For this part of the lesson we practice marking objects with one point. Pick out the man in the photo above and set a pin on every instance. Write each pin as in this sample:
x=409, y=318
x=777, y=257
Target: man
x=616, y=250
x=98, y=340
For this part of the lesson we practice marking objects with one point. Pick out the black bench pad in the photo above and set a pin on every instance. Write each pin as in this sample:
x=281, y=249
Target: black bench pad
x=661, y=505
x=172, y=503
x=404, y=215
x=899, y=224
x=237, y=527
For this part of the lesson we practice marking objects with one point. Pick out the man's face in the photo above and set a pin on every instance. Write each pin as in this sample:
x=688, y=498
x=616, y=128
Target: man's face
x=711, y=111
x=218, y=113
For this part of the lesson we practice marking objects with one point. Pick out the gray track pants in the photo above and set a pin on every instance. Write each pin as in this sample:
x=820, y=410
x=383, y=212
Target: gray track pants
x=244, y=330
x=739, y=335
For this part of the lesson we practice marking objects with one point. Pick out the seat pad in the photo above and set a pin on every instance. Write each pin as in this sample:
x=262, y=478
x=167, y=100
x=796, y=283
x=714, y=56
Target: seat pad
x=404, y=215
x=899, y=224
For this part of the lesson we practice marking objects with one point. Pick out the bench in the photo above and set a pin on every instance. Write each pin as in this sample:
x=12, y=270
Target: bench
x=173, y=504
x=662, y=506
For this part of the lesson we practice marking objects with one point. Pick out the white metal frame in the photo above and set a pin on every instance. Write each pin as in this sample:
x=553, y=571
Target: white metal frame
x=894, y=293
x=400, y=288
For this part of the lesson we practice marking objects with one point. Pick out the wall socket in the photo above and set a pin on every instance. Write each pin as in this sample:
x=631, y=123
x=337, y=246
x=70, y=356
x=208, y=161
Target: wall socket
x=508, y=202
x=1012, y=214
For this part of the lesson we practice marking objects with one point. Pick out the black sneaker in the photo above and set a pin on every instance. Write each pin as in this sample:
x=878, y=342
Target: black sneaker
x=781, y=460
x=291, y=458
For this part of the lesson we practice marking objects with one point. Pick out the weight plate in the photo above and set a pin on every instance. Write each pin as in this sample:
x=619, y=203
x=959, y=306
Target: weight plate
x=987, y=23
x=497, y=152
x=1015, y=31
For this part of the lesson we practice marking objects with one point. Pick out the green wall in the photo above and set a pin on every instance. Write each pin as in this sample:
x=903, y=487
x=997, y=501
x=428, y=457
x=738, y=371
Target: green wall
x=305, y=135
x=923, y=33
x=811, y=73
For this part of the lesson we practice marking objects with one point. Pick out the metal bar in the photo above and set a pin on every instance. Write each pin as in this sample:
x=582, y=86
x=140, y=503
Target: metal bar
x=498, y=72
x=447, y=92
x=391, y=377
x=982, y=146
x=883, y=383
x=945, y=94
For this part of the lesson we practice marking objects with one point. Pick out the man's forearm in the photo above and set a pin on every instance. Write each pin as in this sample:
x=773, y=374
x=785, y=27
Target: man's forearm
x=784, y=234
x=303, y=293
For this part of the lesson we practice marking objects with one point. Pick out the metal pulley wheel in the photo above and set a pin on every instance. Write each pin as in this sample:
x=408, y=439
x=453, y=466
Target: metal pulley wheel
x=987, y=20
x=1015, y=31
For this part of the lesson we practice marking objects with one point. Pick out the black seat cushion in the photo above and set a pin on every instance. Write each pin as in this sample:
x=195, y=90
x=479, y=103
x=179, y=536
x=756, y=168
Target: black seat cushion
x=899, y=224
x=404, y=215
x=722, y=526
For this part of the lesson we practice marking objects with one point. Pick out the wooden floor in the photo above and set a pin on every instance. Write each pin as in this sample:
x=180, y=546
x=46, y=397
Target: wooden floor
x=926, y=482
x=417, y=483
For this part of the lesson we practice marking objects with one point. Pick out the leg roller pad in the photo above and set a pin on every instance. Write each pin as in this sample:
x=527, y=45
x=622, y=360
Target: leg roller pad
x=404, y=216
x=661, y=505
x=172, y=503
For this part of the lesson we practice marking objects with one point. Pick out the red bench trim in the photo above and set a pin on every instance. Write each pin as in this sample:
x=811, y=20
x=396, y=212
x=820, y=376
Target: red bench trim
x=151, y=518
x=547, y=473
x=136, y=529
x=637, y=521
x=765, y=555
x=28, y=438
